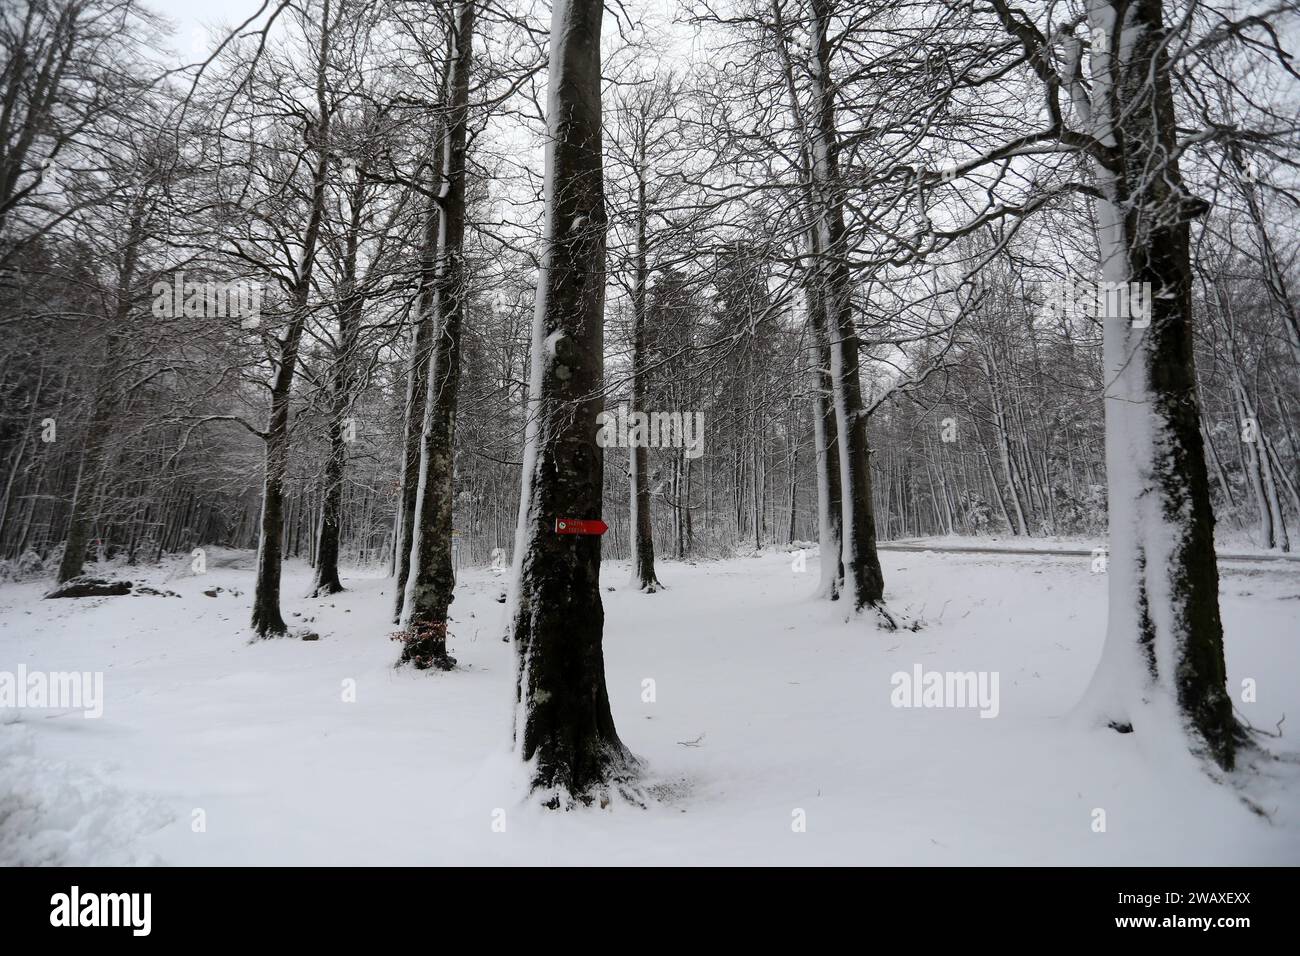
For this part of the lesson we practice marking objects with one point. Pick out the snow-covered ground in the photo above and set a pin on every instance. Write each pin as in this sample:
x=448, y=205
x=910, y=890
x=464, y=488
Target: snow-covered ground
x=765, y=703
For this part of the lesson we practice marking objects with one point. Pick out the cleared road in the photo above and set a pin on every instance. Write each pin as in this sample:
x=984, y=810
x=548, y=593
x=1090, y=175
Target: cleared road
x=1058, y=552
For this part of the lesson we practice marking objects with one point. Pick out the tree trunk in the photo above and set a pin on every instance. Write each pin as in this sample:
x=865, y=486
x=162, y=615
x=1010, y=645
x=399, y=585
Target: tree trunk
x=643, y=545
x=431, y=579
x=863, y=579
x=1274, y=274
x=1004, y=447
x=1162, y=662
x=564, y=730
x=688, y=534
x=266, y=620
x=417, y=381
x=825, y=434
x=86, y=491
x=15, y=462
x=792, y=474
x=326, y=552
x=1224, y=488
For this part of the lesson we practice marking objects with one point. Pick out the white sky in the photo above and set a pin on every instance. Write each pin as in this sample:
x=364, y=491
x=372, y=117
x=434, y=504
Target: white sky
x=193, y=20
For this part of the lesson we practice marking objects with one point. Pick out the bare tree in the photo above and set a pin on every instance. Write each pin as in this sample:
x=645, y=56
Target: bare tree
x=267, y=620
x=564, y=730
x=431, y=578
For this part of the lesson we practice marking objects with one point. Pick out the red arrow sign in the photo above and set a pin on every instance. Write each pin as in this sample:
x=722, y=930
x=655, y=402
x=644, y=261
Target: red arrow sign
x=580, y=526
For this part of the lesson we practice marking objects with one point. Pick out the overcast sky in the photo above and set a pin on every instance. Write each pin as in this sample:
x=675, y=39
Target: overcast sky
x=192, y=18
x=194, y=22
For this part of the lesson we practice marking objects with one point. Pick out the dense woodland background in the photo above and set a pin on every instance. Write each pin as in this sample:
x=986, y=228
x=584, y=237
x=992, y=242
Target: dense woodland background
x=119, y=169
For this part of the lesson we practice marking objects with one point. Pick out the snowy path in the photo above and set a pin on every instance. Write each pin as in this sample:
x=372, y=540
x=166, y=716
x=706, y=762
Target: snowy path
x=765, y=703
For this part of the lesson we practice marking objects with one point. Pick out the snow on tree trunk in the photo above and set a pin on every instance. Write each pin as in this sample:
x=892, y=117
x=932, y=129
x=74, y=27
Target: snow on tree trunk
x=825, y=436
x=417, y=377
x=432, y=575
x=413, y=424
x=564, y=730
x=1162, y=664
x=864, y=581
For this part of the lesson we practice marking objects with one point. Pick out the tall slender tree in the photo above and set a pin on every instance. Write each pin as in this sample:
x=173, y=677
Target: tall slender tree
x=418, y=362
x=432, y=577
x=825, y=437
x=340, y=387
x=864, y=581
x=267, y=620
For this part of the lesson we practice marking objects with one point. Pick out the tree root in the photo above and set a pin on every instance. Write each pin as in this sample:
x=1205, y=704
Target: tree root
x=425, y=647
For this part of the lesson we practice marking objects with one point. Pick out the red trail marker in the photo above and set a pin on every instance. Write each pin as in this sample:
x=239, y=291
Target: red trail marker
x=580, y=526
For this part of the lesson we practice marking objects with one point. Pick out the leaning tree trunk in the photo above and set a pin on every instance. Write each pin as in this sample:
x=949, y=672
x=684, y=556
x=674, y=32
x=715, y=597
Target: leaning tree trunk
x=1259, y=470
x=564, y=730
x=432, y=575
x=863, y=579
x=1162, y=663
x=643, y=545
x=1275, y=279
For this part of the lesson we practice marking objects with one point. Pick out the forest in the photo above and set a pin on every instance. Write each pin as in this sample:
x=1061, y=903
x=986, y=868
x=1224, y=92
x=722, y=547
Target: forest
x=514, y=322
